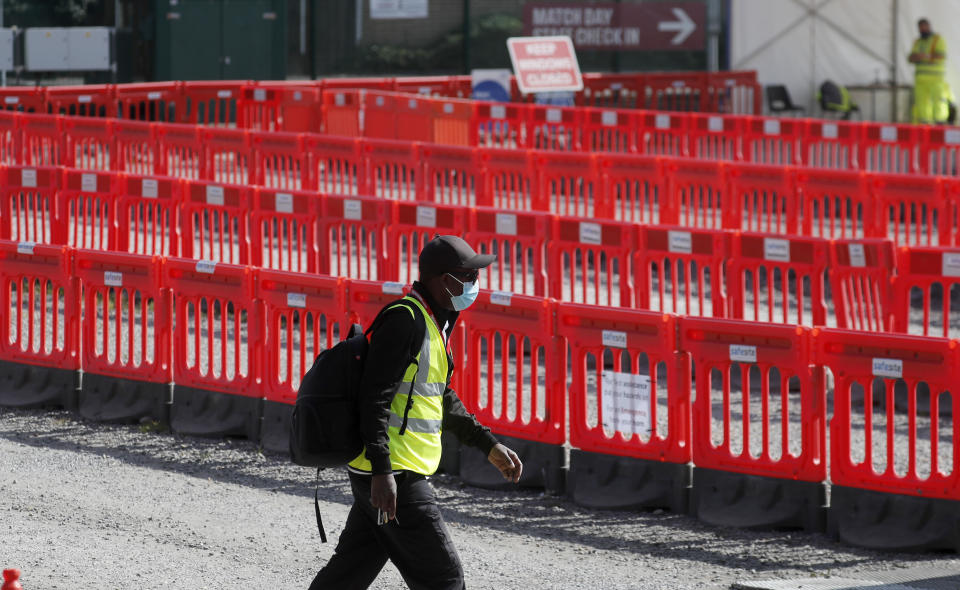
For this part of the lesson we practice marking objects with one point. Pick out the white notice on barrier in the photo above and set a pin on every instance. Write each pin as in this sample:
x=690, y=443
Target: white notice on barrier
x=259, y=94
x=614, y=339
x=215, y=196
x=829, y=131
x=680, y=242
x=662, y=122
x=715, y=124
x=888, y=368
x=392, y=288
x=352, y=209
x=426, y=216
x=224, y=93
x=888, y=133
x=776, y=250
x=742, y=353
x=554, y=115
x=609, y=118
x=506, y=224
x=148, y=188
x=154, y=96
x=28, y=178
x=284, y=203
x=297, y=300
x=626, y=403
x=206, y=266
x=950, y=264
x=26, y=248
x=951, y=136
x=504, y=298
x=88, y=183
x=771, y=127
x=113, y=279
x=857, y=256
x=498, y=111
x=591, y=233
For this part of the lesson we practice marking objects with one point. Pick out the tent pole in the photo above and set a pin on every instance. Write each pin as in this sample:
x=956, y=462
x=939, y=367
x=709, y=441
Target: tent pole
x=895, y=59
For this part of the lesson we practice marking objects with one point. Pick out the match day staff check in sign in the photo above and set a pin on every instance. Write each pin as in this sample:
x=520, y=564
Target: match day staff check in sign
x=545, y=64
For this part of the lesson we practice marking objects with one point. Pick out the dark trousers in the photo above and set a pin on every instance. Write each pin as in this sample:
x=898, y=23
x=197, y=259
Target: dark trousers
x=417, y=542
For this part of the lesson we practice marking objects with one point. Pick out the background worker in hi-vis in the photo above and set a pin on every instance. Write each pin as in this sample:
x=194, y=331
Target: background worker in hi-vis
x=931, y=95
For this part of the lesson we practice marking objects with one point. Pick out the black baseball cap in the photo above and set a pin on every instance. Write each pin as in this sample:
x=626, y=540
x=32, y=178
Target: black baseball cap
x=445, y=253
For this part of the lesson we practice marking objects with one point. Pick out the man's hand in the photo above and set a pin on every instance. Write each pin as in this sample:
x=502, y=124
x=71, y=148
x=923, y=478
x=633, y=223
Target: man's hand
x=506, y=461
x=383, y=494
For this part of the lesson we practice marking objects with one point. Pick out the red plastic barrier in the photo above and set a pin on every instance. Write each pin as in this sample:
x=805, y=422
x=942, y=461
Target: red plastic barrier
x=557, y=129
x=42, y=141
x=341, y=112
x=569, y=184
x=940, y=152
x=779, y=280
x=681, y=271
x=698, y=192
x=258, y=108
x=280, y=161
x=90, y=144
x=674, y=91
x=27, y=204
x=87, y=210
x=452, y=122
x=499, y=125
x=39, y=295
x=24, y=99
x=634, y=189
x=609, y=131
x=378, y=118
x=215, y=222
x=927, y=279
x=713, y=137
x=336, y=165
x=229, y=156
x=787, y=411
x=93, y=100
x=148, y=219
x=772, y=141
x=303, y=316
x=519, y=240
x=393, y=169
x=365, y=299
x=734, y=93
x=830, y=144
x=894, y=389
x=511, y=381
x=589, y=262
x=213, y=104
x=217, y=337
x=127, y=322
x=452, y=175
x=834, y=204
x=413, y=225
x=763, y=198
x=511, y=179
x=352, y=237
x=890, y=148
x=283, y=230
x=662, y=134
x=137, y=147
x=150, y=101
x=10, y=138
x=182, y=151
x=607, y=346
x=912, y=210
x=619, y=91
x=413, y=119
x=860, y=281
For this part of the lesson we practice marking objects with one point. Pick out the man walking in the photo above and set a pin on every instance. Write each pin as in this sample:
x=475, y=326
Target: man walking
x=931, y=95
x=405, y=404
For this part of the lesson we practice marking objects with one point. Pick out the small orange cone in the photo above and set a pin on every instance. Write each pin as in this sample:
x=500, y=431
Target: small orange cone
x=11, y=580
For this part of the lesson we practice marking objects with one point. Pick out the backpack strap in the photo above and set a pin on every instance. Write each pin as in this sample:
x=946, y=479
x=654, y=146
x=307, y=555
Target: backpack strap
x=316, y=506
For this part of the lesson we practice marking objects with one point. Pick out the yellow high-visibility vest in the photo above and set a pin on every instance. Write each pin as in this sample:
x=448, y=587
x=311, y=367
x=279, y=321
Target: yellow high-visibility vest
x=927, y=46
x=419, y=448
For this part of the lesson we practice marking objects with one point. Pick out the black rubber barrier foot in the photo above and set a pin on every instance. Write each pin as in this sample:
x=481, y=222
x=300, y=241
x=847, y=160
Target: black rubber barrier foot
x=625, y=483
x=895, y=522
x=33, y=386
x=113, y=399
x=201, y=412
x=750, y=501
x=450, y=459
x=543, y=466
x=275, y=428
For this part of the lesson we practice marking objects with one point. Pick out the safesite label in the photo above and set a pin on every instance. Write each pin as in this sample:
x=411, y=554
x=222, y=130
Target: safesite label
x=776, y=250
x=113, y=279
x=742, y=353
x=857, y=256
x=680, y=242
x=951, y=264
x=892, y=368
x=297, y=300
x=614, y=339
x=504, y=298
x=506, y=224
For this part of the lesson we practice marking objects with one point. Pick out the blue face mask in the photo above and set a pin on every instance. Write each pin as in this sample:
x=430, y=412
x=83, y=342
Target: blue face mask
x=470, y=292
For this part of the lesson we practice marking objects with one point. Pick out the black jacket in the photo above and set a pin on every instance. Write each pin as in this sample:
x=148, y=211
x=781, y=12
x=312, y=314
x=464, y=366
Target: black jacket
x=387, y=360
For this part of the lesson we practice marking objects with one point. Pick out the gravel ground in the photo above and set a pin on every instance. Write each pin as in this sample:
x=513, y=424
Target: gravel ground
x=88, y=505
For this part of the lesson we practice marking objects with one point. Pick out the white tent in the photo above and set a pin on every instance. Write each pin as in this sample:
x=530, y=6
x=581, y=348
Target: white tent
x=801, y=43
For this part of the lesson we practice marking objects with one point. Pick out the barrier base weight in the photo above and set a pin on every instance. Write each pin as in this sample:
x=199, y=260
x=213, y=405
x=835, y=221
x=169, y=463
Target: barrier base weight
x=543, y=466
x=750, y=501
x=33, y=386
x=201, y=412
x=894, y=522
x=275, y=428
x=625, y=483
x=112, y=399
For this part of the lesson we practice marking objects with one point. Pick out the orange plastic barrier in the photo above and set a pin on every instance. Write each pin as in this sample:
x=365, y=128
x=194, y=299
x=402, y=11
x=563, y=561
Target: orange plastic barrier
x=912, y=210
x=280, y=161
x=589, y=262
x=27, y=204
x=352, y=237
x=215, y=222
x=519, y=240
x=924, y=288
x=763, y=199
x=453, y=175
x=137, y=147
x=890, y=148
x=148, y=220
x=414, y=225
x=87, y=210
x=860, y=281
x=634, y=189
x=834, y=204
x=697, y=193
x=283, y=230
x=831, y=144
x=770, y=140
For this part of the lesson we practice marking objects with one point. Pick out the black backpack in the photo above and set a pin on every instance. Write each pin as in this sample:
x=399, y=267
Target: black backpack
x=325, y=423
